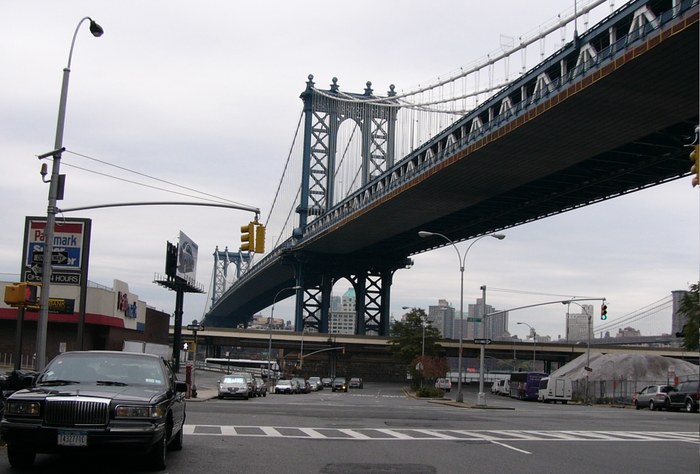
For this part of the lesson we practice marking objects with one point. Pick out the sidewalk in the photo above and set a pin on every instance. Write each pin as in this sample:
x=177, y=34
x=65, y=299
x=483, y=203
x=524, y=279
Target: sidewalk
x=206, y=382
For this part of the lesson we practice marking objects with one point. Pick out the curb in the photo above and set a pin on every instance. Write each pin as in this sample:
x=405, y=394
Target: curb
x=452, y=403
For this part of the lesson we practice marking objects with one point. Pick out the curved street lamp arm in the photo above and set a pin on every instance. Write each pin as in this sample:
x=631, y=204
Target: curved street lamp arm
x=241, y=207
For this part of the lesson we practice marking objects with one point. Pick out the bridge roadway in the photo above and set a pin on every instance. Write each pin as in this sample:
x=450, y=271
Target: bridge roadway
x=619, y=126
x=220, y=340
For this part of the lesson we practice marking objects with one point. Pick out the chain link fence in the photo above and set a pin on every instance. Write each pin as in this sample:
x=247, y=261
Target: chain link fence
x=617, y=391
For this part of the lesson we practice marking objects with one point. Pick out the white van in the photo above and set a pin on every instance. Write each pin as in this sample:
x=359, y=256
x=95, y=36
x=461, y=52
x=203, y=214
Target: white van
x=554, y=389
x=444, y=384
x=498, y=386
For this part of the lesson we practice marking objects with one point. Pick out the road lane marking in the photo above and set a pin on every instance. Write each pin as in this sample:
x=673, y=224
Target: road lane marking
x=511, y=447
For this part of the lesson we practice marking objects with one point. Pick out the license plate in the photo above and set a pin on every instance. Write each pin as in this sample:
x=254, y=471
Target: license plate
x=72, y=438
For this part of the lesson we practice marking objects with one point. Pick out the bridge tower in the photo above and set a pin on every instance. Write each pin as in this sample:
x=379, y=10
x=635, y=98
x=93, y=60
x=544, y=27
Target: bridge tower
x=222, y=260
x=324, y=112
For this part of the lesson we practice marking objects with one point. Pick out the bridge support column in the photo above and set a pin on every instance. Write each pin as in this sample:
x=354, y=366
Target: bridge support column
x=371, y=282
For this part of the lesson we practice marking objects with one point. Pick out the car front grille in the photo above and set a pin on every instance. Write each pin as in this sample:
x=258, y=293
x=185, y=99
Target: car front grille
x=76, y=411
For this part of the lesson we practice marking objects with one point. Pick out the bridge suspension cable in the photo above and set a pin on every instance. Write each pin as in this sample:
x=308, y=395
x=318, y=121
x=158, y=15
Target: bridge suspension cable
x=503, y=55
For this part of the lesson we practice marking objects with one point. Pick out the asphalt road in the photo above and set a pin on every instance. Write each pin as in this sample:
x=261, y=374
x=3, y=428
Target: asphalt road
x=379, y=429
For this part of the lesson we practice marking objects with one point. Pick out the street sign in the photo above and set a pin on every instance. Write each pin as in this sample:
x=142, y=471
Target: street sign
x=57, y=258
x=482, y=341
x=60, y=278
x=474, y=320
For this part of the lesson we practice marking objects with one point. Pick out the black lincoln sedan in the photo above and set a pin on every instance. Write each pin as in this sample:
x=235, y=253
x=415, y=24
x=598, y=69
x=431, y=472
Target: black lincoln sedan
x=97, y=401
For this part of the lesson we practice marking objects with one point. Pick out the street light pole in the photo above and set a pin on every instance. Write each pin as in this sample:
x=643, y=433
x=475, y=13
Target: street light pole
x=55, y=194
x=481, y=398
x=462, y=261
x=269, y=326
x=534, y=342
x=301, y=351
x=588, y=344
x=422, y=345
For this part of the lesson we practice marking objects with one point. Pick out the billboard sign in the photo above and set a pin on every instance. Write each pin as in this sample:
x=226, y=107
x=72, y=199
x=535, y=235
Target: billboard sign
x=187, y=258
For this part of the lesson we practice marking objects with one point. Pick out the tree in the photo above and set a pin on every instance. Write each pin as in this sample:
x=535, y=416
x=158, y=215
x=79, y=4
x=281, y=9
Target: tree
x=408, y=340
x=432, y=368
x=690, y=308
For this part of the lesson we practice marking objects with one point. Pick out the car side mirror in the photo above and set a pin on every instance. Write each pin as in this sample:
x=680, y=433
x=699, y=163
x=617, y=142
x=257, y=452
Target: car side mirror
x=180, y=387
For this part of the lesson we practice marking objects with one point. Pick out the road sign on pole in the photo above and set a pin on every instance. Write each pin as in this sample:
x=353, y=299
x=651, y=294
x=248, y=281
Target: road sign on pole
x=482, y=341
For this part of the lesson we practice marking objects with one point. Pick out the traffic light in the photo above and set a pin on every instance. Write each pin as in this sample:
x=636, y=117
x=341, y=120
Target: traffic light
x=22, y=294
x=14, y=294
x=260, y=239
x=31, y=294
x=695, y=169
x=603, y=311
x=248, y=237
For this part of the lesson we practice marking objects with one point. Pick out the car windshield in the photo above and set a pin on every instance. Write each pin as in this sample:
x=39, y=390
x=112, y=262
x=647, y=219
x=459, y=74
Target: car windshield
x=103, y=369
x=233, y=380
x=284, y=382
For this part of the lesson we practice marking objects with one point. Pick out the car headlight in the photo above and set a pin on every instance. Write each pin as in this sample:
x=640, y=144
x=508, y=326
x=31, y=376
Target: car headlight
x=22, y=408
x=139, y=411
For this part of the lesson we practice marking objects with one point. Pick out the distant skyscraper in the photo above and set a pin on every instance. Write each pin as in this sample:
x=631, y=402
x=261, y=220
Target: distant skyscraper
x=496, y=324
x=335, y=303
x=342, y=316
x=577, y=326
x=442, y=317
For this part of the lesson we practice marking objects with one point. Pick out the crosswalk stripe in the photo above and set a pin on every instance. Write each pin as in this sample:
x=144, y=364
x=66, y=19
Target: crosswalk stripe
x=407, y=434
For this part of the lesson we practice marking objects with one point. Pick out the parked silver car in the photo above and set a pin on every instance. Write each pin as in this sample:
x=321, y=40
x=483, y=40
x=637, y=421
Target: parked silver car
x=285, y=386
x=653, y=396
x=233, y=386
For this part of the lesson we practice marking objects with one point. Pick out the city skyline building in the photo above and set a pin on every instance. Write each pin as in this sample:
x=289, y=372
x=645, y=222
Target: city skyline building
x=577, y=327
x=342, y=318
x=442, y=317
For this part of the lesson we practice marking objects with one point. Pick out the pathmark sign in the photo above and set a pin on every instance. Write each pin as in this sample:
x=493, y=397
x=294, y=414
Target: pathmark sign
x=69, y=243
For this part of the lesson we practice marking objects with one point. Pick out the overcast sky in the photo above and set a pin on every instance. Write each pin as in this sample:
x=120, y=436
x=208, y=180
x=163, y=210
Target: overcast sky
x=206, y=94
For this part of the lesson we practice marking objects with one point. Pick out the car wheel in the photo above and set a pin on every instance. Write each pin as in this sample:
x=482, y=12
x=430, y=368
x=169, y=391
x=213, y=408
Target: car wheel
x=652, y=407
x=689, y=406
x=176, y=444
x=20, y=458
x=155, y=459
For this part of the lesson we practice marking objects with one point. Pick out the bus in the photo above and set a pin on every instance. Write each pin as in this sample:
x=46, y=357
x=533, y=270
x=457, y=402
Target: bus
x=525, y=385
x=256, y=367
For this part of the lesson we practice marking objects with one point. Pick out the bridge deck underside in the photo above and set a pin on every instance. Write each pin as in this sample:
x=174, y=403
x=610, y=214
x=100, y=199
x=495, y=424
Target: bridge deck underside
x=624, y=132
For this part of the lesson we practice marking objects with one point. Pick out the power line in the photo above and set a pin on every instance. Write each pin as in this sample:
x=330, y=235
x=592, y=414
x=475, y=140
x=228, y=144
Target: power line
x=202, y=193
